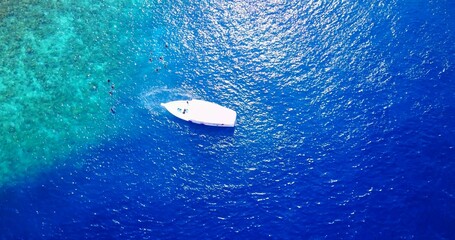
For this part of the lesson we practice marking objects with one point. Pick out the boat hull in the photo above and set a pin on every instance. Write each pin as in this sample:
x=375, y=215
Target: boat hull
x=202, y=112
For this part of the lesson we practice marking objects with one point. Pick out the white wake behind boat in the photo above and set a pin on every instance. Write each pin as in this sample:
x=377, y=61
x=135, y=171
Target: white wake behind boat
x=202, y=112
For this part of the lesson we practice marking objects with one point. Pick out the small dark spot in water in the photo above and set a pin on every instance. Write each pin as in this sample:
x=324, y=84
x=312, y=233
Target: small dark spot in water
x=157, y=70
x=112, y=110
x=161, y=58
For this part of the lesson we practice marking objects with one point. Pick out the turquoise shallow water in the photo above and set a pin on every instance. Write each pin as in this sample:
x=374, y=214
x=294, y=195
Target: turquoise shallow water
x=345, y=109
x=57, y=59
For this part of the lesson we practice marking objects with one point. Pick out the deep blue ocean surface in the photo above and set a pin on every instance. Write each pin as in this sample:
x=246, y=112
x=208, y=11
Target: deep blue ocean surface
x=346, y=121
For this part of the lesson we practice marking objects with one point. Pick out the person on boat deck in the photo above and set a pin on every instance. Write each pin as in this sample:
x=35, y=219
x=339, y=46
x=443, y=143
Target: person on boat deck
x=184, y=111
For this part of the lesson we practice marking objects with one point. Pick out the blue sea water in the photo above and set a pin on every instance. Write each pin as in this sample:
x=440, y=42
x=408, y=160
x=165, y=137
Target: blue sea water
x=346, y=124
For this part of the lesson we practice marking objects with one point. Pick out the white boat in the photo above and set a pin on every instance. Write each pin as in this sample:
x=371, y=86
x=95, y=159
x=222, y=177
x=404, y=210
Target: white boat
x=202, y=112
